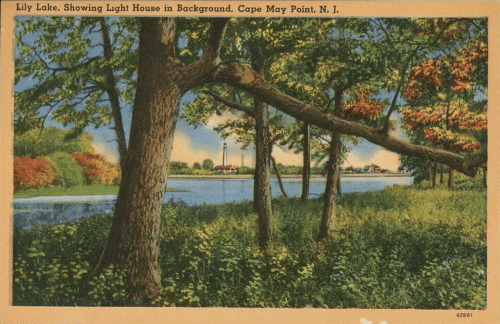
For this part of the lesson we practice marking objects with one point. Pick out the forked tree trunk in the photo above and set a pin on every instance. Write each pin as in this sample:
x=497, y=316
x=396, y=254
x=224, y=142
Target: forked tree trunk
x=306, y=158
x=132, y=244
x=278, y=176
x=262, y=195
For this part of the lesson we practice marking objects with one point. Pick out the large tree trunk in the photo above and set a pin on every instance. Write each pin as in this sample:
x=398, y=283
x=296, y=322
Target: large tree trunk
x=132, y=245
x=262, y=195
x=113, y=95
x=306, y=158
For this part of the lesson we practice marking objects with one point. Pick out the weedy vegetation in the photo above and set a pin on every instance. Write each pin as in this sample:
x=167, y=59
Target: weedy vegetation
x=401, y=247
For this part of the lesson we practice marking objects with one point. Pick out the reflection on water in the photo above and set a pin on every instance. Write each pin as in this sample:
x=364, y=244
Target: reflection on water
x=54, y=210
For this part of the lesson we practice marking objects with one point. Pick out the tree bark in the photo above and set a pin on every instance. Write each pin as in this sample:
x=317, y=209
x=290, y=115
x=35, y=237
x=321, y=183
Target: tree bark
x=332, y=177
x=262, y=196
x=133, y=241
x=242, y=77
x=441, y=179
x=306, y=158
x=450, y=179
x=278, y=176
x=331, y=187
x=434, y=175
x=113, y=95
x=429, y=171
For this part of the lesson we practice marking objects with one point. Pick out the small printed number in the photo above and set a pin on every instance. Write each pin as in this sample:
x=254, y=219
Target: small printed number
x=464, y=314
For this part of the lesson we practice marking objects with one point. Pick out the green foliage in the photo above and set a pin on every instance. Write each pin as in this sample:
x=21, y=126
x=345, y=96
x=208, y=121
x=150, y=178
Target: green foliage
x=402, y=247
x=208, y=164
x=196, y=166
x=50, y=140
x=176, y=167
x=67, y=169
x=245, y=170
x=60, y=70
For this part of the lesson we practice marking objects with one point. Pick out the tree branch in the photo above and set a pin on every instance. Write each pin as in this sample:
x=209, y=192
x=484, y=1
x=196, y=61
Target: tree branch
x=244, y=78
x=231, y=104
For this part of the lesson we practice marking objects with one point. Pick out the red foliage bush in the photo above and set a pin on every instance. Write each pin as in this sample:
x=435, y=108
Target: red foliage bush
x=96, y=169
x=32, y=172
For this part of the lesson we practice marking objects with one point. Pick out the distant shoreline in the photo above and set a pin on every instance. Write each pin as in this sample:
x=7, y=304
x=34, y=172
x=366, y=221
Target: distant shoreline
x=250, y=176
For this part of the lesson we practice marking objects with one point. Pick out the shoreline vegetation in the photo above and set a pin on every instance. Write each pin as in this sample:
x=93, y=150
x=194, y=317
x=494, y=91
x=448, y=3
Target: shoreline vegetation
x=403, y=247
x=298, y=176
x=105, y=189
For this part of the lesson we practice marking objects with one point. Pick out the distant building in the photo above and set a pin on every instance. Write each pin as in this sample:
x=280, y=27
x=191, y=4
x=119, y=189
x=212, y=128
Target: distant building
x=225, y=167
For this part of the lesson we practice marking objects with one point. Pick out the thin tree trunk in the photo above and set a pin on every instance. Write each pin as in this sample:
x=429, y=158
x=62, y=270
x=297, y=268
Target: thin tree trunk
x=339, y=192
x=441, y=180
x=113, y=95
x=332, y=177
x=450, y=179
x=331, y=187
x=429, y=171
x=278, y=176
x=306, y=158
x=262, y=194
x=434, y=175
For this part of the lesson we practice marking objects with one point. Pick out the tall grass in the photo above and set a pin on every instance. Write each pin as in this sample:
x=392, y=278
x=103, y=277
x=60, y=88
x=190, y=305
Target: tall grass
x=402, y=247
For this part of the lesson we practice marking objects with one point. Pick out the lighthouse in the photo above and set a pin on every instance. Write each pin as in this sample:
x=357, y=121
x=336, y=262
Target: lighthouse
x=225, y=167
x=224, y=155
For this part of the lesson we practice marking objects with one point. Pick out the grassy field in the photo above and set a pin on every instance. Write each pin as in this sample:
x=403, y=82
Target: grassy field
x=97, y=189
x=402, y=247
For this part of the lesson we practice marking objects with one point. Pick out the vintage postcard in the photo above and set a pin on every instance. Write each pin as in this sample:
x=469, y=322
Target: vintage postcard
x=249, y=162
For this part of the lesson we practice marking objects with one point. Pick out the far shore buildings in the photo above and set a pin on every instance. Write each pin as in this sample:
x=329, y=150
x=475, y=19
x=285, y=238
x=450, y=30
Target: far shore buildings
x=225, y=168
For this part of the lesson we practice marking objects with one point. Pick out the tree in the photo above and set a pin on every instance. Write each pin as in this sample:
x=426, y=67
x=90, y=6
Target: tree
x=197, y=166
x=69, y=70
x=442, y=93
x=208, y=164
x=34, y=143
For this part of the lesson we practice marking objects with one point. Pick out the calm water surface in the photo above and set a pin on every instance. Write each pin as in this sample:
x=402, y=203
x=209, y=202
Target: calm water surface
x=197, y=191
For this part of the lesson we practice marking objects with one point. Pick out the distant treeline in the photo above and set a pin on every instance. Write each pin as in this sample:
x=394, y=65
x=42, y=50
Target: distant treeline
x=206, y=168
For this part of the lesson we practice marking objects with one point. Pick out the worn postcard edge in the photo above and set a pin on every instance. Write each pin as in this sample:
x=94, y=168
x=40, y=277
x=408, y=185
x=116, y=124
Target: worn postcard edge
x=18, y=314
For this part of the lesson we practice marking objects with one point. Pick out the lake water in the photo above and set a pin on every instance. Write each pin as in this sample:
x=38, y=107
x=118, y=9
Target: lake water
x=56, y=209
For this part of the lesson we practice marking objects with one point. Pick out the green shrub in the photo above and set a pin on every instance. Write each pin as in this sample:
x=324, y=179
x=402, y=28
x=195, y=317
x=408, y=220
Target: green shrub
x=68, y=169
x=397, y=248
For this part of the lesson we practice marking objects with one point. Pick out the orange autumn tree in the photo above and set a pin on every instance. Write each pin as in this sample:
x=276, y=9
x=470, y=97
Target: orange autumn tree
x=32, y=172
x=446, y=97
x=96, y=169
